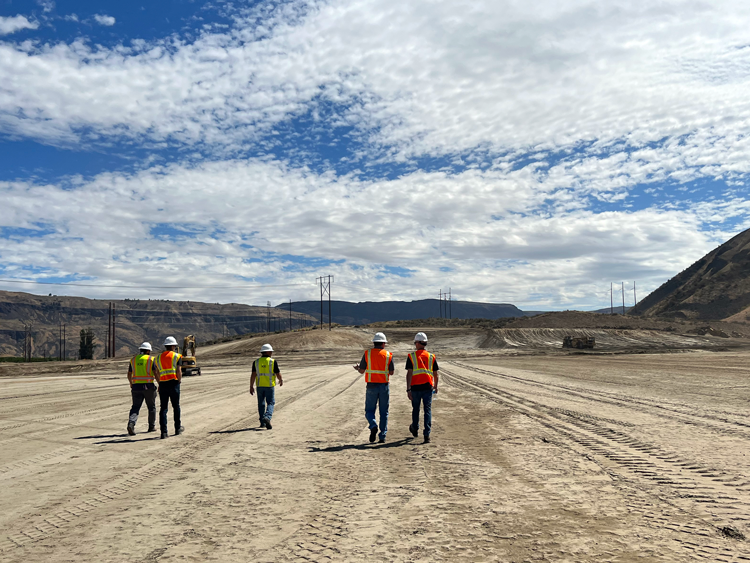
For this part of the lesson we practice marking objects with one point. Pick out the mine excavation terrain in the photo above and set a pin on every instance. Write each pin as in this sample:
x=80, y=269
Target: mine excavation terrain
x=638, y=450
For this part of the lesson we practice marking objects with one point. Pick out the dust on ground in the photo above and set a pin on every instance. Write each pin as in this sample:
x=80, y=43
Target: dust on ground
x=538, y=454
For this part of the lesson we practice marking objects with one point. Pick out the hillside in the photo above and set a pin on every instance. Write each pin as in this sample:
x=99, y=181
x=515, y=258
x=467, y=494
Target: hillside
x=137, y=320
x=715, y=287
x=348, y=313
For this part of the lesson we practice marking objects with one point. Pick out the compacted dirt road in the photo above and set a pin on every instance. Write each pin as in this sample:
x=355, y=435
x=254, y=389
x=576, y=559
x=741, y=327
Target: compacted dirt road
x=534, y=458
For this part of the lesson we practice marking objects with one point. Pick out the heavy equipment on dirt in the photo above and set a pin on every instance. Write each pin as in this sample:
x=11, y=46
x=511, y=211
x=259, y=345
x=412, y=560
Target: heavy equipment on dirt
x=189, y=360
x=579, y=342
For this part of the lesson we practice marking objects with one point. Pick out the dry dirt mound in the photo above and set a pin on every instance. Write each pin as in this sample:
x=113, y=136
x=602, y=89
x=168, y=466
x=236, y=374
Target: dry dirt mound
x=288, y=342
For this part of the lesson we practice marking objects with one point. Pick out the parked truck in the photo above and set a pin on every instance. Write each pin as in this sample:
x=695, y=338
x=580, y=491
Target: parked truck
x=579, y=342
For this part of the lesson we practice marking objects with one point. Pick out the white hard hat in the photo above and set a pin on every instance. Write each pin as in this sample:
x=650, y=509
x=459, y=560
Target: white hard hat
x=420, y=337
x=145, y=346
x=170, y=341
x=379, y=337
x=266, y=348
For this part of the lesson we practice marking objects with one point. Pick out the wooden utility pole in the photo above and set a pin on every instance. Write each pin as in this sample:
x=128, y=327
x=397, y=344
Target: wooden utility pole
x=611, y=300
x=635, y=301
x=440, y=302
x=290, y=315
x=623, y=298
x=450, y=303
x=113, y=348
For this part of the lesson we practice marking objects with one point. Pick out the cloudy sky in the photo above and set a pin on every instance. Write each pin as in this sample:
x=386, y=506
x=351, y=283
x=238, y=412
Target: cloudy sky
x=523, y=152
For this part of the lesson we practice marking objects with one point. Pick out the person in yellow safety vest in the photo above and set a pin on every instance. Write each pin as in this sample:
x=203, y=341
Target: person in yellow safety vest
x=265, y=372
x=142, y=387
x=421, y=382
x=168, y=366
x=377, y=365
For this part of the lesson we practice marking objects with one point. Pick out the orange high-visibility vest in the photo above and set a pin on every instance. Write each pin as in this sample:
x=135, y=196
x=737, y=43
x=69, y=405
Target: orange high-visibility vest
x=166, y=363
x=378, y=361
x=140, y=366
x=422, y=363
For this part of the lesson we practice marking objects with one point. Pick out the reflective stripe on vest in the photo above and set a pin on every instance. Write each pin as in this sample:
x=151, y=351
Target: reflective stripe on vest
x=265, y=372
x=140, y=366
x=422, y=363
x=167, y=365
x=377, y=365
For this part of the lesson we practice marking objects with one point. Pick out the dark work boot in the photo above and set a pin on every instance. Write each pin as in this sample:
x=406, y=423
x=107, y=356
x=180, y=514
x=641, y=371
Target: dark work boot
x=268, y=423
x=262, y=422
x=131, y=429
x=426, y=439
x=152, y=429
x=414, y=431
x=373, y=434
x=164, y=435
x=179, y=430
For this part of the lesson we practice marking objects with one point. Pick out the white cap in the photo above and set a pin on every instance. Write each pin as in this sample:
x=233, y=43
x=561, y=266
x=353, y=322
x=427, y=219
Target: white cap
x=170, y=341
x=145, y=346
x=420, y=337
x=379, y=337
x=266, y=348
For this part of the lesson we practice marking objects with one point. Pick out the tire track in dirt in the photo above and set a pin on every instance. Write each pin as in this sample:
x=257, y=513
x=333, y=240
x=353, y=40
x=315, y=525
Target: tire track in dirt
x=724, y=426
x=687, y=486
x=34, y=529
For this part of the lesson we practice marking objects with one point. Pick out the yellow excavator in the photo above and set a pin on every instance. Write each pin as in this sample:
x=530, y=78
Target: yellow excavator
x=189, y=361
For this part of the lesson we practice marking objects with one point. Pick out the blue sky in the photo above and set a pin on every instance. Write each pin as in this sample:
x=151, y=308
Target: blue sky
x=520, y=154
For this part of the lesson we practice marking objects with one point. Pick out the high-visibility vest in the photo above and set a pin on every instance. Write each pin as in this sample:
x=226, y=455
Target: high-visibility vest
x=264, y=369
x=422, y=364
x=166, y=363
x=378, y=361
x=140, y=366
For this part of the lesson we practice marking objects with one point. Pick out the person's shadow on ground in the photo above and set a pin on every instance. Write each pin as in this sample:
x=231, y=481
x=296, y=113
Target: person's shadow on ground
x=376, y=445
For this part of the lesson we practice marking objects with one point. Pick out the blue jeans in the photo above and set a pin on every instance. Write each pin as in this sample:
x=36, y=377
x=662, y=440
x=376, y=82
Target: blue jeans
x=417, y=398
x=266, y=402
x=377, y=393
x=169, y=391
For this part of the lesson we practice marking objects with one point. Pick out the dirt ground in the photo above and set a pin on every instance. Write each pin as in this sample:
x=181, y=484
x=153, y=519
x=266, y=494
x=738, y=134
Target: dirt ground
x=535, y=457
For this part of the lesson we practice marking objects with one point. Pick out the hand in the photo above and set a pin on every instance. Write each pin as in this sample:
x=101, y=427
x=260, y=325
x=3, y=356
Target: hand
x=252, y=391
x=355, y=366
x=435, y=390
x=281, y=382
x=408, y=393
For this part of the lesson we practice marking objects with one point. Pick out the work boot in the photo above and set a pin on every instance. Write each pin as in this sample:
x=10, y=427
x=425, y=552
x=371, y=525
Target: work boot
x=426, y=439
x=179, y=430
x=152, y=429
x=413, y=430
x=262, y=422
x=381, y=441
x=373, y=434
x=131, y=429
x=268, y=423
x=164, y=435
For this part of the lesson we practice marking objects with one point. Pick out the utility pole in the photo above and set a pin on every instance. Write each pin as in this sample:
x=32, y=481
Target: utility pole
x=59, y=351
x=290, y=315
x=440, y=302
x=268, y=316
x=65, y=345
x=109, y=330
x=623, y=298
x=114, y=318
x=635, y=301
x=325, y=288
x=611, y=300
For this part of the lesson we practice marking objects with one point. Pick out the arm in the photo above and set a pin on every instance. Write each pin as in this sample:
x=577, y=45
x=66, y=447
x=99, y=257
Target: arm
x=278, y=376
x=252, y=383
x=409, y=373
x=130, y=375
x=359, y=367
x=179, y=373
x=436, y=377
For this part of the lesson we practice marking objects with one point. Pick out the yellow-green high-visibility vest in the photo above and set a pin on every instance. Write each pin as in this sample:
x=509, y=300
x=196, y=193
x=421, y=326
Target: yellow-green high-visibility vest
x=140, y=365
x=264, y=370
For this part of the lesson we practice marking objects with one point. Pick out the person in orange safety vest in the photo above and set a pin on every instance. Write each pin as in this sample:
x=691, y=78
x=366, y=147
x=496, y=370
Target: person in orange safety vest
x=377, y=365
x=421, y=382
x=169, y=370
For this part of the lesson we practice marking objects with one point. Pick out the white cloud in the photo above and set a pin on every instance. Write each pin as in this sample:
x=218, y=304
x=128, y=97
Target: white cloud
x=15, y=23
x=488, y=228
x=104, y=20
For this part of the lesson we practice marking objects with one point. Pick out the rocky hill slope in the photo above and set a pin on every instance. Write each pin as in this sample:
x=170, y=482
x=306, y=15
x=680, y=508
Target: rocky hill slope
x=137, y=320
x=716, y=287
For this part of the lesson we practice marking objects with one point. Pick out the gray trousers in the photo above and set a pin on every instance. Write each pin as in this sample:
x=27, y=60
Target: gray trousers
x=143, y=392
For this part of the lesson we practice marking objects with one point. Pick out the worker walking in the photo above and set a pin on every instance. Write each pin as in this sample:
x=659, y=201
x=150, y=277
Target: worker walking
x=265, y=373
x=142, y=387
x=421, y=383
x=377, y=365
x=169, y=370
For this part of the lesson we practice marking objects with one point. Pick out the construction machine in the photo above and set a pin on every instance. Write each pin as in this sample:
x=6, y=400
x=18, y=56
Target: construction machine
x=579, y=342
x=189, y=360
